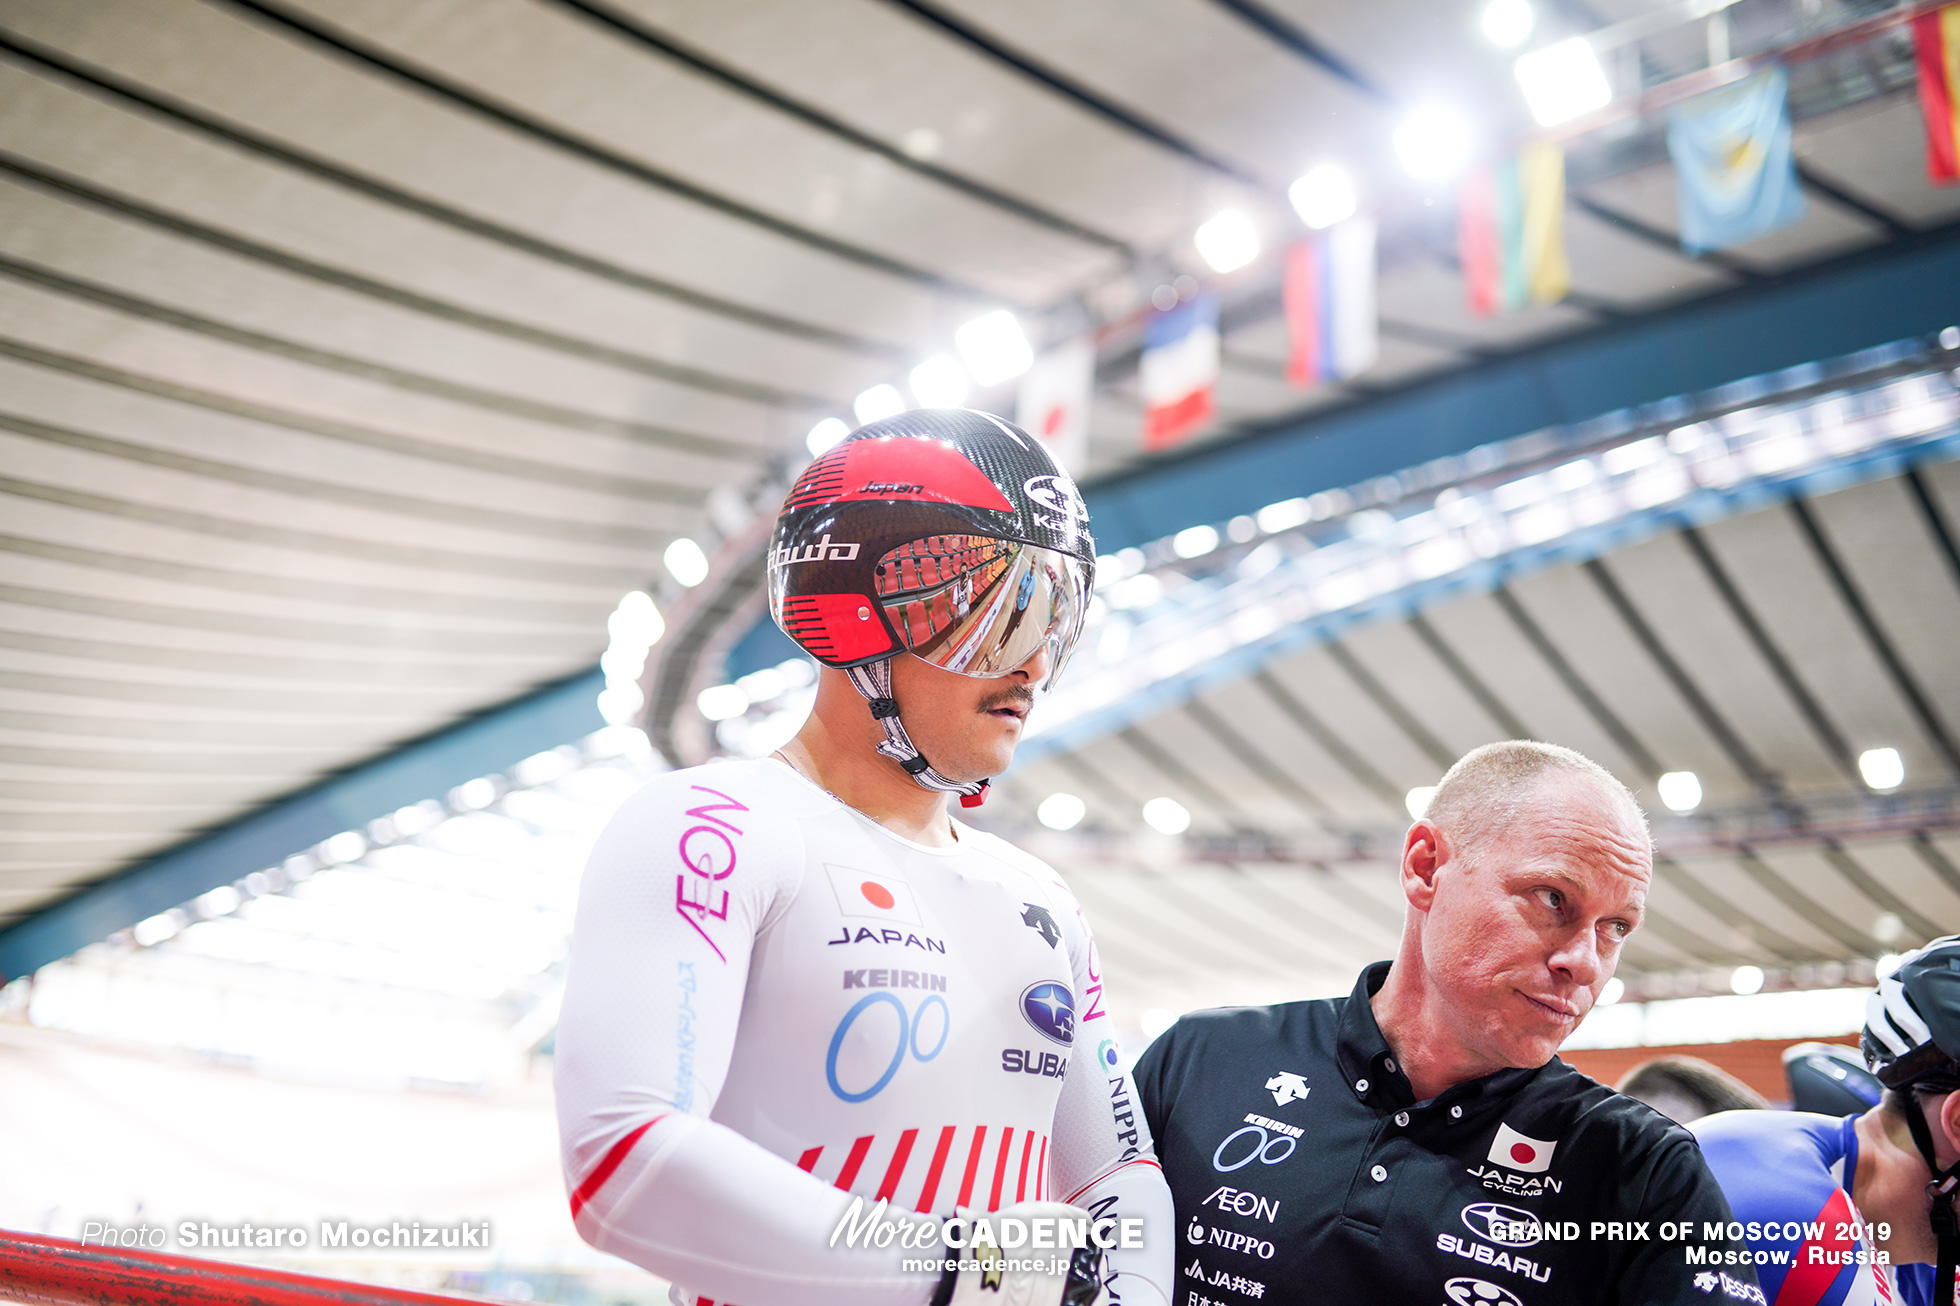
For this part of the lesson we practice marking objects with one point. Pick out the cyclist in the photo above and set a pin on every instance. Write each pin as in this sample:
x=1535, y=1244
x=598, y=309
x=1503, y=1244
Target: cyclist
x=798, y=980
x=1857, y=1209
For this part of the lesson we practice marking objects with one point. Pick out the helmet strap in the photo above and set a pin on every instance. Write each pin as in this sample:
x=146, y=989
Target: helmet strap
x=874, y=681
x=1943, y=1188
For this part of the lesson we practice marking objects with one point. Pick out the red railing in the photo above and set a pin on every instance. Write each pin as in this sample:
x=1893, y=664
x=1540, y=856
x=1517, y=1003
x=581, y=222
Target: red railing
x=58, y=1272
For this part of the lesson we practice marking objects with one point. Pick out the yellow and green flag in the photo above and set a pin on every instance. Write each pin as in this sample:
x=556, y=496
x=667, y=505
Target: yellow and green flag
x=1511, y=223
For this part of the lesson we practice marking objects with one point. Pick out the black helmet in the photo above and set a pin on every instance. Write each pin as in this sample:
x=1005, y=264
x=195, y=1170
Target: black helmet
x=1912, y=1021
x=943, y=532
x=1912, y=1033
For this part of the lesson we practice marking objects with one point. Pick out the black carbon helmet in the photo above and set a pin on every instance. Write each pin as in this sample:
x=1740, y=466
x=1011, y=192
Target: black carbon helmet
x=946, y=533
x=928, y=505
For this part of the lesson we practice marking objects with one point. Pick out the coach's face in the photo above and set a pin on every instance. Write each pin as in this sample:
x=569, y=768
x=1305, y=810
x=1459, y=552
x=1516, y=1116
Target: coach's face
x=1524, y=927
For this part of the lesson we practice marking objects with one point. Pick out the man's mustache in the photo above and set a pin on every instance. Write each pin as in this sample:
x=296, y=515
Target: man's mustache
x=1019, y=696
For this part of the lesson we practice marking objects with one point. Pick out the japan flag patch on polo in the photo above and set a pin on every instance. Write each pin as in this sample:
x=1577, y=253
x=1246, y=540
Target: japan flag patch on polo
x=1514, y=1151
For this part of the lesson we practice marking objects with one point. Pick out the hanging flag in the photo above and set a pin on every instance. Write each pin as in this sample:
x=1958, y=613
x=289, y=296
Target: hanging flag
x=1734, y=171
x=1511, y=227
x=1936, y=37
x=1054, y=401
x=1329, y=292
x=1178, y=373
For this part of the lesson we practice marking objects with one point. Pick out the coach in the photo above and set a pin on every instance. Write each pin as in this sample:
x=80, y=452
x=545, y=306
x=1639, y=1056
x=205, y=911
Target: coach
x=1418, y=1142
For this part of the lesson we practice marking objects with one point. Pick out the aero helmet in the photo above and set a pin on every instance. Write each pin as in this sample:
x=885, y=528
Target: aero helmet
x=946, y=533
x=1911, y=1039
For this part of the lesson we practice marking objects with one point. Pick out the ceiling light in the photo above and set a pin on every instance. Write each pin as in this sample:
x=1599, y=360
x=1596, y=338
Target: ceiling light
x=1417, y=800
x=1323, y=197
x=825, y=436
x=880, y=401
x=1283, y=516
x=1613, y=990
x=1167, y=816
x=1680, y=791
x=1563, y=81
x=1888, y=928
x=1746, y=979
x=1227, y=241
x=939, y=382
x=636, y=623
x=1432, y=142
x=1507, y=22
x=1061, y=811
x=1882, y=768
x=685, y=562
x=1194, y=541
x=720, y=702
x=994, y=348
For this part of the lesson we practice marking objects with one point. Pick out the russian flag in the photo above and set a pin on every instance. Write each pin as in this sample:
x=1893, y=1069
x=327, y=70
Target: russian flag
x=1178, y=373
x=1329, y=292
x=1936, y=38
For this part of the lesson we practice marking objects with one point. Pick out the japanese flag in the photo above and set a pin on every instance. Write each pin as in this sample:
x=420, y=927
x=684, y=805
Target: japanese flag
x=866, y=893
x=1054, y=401
x=1514, y=1151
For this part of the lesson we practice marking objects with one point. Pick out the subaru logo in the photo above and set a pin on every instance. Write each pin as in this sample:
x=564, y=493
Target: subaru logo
x=1479, y=1292
x=1507, y=1226
x=1050, y=1008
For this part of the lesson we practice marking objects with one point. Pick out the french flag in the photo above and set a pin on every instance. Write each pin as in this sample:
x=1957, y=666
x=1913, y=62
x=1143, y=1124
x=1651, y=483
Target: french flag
x=1178, y=373
x=1329, y=295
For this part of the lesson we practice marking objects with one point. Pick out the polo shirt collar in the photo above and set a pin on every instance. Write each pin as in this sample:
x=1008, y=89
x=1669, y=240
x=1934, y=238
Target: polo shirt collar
x=1375, y=1077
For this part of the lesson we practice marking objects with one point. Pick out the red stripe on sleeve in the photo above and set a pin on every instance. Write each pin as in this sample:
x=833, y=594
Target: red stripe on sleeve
x=808, y=1161
x=1000, y=1166
x=1027, y=1149
x=607, y=1164
x=1806, y=1284
x=1041, y=1170
x=848, y=1175
x=972, y=1164
x=896, y=1170
x=931, y=1189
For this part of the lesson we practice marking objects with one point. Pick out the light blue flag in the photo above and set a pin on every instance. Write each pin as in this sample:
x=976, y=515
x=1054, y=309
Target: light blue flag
x=1734, y=170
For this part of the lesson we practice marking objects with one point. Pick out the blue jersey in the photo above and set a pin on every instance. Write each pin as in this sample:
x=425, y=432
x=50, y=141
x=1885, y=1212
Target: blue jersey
x=1788, y=1176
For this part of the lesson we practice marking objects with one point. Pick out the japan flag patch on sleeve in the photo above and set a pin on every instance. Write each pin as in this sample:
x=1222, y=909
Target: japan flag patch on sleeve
x=1514, y=1151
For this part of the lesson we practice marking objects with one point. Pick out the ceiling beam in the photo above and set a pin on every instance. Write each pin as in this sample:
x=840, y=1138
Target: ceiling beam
x=544, y=719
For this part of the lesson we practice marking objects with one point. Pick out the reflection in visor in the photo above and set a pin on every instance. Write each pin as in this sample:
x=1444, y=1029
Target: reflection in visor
x=981, y=606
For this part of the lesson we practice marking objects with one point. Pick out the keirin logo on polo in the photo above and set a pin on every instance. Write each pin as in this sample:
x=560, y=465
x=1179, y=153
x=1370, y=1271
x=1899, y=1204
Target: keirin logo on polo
x=1252, y=1143
x=1479, y=1292
x=1519, y=1152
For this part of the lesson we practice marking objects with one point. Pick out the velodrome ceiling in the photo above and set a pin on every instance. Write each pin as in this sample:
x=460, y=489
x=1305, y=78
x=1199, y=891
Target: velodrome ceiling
x=1763, y=652
x=356, y=356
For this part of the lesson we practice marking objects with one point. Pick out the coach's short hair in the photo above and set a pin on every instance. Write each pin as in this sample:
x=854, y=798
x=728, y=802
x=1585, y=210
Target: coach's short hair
x=1489, y=787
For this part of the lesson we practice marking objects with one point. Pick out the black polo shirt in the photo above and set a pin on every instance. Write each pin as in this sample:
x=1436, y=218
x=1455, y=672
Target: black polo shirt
x=1304, y=1170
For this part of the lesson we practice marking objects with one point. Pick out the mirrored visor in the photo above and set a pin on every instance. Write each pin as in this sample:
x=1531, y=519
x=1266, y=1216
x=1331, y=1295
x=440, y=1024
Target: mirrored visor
x=979, y=606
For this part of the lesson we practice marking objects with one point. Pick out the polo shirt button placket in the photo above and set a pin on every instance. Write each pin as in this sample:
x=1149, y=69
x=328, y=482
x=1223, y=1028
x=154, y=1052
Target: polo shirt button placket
x=1378, y=1173
x=1456, y=1113
x=1402, y=1119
